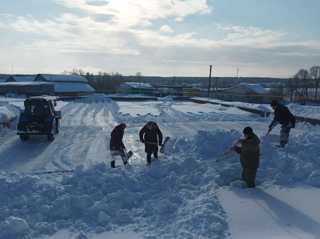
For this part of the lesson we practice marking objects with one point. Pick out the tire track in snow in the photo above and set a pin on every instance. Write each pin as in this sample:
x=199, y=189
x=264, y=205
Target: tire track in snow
x=81, y=141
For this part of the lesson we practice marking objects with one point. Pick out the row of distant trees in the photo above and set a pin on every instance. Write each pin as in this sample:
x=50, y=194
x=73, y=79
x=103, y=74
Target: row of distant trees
x=305, y=84
x=104, y=82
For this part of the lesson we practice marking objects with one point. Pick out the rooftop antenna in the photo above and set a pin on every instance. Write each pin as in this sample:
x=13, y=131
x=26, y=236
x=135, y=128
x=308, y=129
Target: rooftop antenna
x=238, y=80
x=209, y=85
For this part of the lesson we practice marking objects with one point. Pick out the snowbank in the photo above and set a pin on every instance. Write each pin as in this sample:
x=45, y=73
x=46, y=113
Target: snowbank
x=164, y=201
x=168, y=200
x=8, y=113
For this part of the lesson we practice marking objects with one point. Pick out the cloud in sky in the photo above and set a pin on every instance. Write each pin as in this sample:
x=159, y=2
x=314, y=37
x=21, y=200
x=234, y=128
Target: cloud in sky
x=128, y=13
x=166, y=29
x=130, y=36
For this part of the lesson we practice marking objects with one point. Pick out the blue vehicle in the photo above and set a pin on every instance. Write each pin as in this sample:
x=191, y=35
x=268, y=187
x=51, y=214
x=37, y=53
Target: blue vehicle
x=39, y=118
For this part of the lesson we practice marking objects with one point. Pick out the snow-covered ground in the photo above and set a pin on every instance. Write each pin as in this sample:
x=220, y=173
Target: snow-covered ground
x=186, y=194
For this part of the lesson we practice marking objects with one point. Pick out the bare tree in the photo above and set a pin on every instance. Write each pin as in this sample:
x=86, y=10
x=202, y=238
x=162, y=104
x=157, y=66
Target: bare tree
x=302, y=79
x=315, y=74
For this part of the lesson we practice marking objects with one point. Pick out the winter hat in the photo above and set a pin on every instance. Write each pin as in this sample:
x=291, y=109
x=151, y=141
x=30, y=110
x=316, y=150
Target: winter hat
x=123, y=125
x=274, y=103
x=247, y=130
x=151, y=124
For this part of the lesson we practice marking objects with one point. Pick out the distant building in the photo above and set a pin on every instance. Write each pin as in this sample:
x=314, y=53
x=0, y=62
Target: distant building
x=26, y=88
x=20, y=78
x=3, y=78
x=244, y=92
x=67, y=85
x=49, y=84
x=136, y=88
x=165, y=90
x=191, y=91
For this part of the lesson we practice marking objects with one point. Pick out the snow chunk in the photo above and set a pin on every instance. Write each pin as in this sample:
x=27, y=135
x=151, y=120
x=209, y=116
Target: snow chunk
x=8, y=113
x=13, y=227
x=82, y=236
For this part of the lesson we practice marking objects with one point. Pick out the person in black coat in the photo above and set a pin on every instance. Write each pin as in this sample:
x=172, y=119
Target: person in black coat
x=117, y=147
x=151, y=136
x=283, y=116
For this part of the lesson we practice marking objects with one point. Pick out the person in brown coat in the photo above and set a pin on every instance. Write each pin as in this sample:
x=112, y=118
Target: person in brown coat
x=249, y=151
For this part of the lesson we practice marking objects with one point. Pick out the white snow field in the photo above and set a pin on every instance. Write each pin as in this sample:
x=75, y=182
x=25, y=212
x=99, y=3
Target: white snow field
x=185, y=194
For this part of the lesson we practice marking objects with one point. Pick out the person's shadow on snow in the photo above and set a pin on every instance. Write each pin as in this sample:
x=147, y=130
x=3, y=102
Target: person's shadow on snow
x=284, y=214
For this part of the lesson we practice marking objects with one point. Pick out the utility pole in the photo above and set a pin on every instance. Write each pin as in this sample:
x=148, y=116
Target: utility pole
x=209, y=85
x=317, y=82
x=238, y=75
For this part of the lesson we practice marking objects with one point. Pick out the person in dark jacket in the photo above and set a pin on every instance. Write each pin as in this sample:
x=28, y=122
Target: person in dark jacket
x=283, y=116
x=151, y=136
x=249, y=151
x=117, y=147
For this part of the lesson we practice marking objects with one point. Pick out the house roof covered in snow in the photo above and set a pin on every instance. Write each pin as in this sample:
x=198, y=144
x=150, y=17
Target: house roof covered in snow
x=72, y=87
x=24, y=83
x=61, y=78
x=256, y=88
x=20, y=78
x=247, y=88
x=3, y=78
x=138, y=85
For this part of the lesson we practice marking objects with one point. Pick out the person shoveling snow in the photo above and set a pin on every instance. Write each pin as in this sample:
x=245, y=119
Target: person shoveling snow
x=117, y=147
x=249, y=150
x=287, y=120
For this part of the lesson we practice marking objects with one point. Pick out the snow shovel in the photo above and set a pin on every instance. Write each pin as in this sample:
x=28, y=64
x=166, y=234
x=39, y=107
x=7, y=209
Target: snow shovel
x=127, y=155
x=225, y=155
x=162, y=148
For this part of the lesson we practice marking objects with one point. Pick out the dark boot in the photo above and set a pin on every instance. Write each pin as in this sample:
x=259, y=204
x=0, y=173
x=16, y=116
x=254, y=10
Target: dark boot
x=250, y=177
x=148, y=159
x=113, y=164
x=243, y=175
x=155, y=154
x=282, y=144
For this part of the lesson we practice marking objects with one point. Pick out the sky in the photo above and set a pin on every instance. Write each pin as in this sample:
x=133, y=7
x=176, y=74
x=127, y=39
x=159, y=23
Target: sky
x=273, y=38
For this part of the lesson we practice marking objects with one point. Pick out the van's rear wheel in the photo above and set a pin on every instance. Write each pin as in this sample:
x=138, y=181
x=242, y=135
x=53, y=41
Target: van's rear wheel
x=52, y=131
x=50, y=137
x=57, y=126
x=24, y=137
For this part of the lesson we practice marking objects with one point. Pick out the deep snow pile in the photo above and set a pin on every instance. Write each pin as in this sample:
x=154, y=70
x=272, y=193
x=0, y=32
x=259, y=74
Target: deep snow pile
x=174, y=198
x=8, y=113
